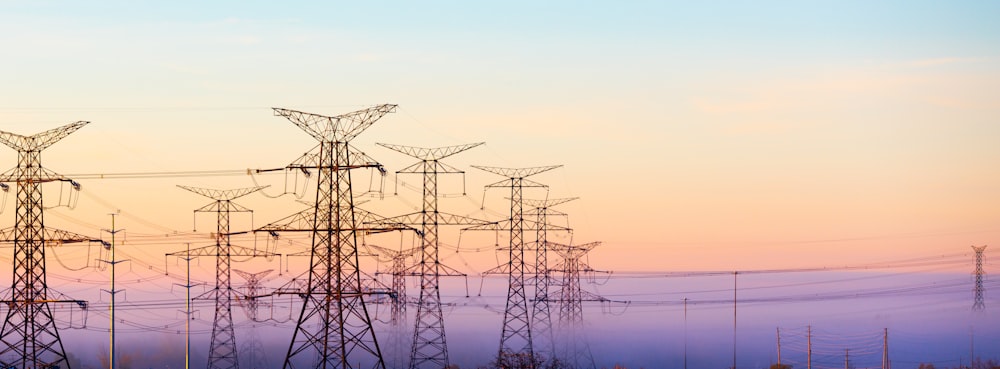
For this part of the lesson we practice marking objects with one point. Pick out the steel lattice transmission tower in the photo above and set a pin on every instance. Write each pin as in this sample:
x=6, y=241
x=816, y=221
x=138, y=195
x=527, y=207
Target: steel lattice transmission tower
x=334, y=325
x=571, y=296
x=397, y=260
x=515, y=339
x=430, y=347
x=255, y=354
x=541, y=317
x=29, y=334
x=222, y=350
x=980, y=303
x=396, y=300
x=575, y=349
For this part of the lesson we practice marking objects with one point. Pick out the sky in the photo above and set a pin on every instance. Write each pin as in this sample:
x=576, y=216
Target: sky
x=698, y=136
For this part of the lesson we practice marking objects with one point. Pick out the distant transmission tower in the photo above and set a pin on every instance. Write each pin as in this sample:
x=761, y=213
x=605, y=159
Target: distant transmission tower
x=29, y=335
x=253, y=349
x=222, y=351
x=397, y=300
x=572, y=295
x=576, y=350
x=515, y=340
x=541, y=317
x=979, y=304
x=430, y=348
x=334, y=327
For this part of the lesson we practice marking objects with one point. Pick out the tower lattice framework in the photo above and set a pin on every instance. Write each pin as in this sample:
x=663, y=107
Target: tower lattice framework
x=255, y=356
x=541, y=313
x=979, y=303
x=334, y=327
x=430, y=346
x=575, y=350
x=222, y=349
x=29, y=335
x=516, y=347
x=397, y=299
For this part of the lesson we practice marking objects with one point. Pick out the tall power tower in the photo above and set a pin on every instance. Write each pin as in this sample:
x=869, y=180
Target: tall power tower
x=571, y=296
x=397, y=300
x=222, y=350
x=574, y=347
x=254, y=354
x=334, y=327
x=980, y=303
x=541, y=316
x=29, y=335
x=515, y=340
x=430, y=346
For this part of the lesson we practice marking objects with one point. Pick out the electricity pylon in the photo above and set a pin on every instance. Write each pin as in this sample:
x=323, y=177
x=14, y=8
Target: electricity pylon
x=334, y=324
x=980, y=303
x=571, y=295
x=255, y=357
x=29, y=334
x=397, y=300
x=576, y=350
x=397, y=260
x=250, y=291
x=430, y=347
x=515, y=339
x=541, y=317
x=222, y=350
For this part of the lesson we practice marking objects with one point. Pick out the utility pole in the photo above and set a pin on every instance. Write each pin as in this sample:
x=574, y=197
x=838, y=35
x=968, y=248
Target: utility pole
x=735, y=273
x=515, y=339
x=29, y=336
x=980, y=302
x=847, y=358
x=430, y=345
x=222, y=349
x=885, y=349
x=778, y=334
x=333, y=328
x=686, y=333
x=809, y=347
x=113, y=292
x=187, y=307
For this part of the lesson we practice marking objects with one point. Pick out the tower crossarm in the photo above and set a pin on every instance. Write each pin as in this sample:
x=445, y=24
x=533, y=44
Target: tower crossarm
x=303, y=222
x=516, y=172
x=213, y=250
x=340, y=128
x=223, y=195
x=572, y=251
x=429, y=154
x=53, y=237
x=546, y=203
x=41, y=140
x=507, y=224
x=312, y=160
x=443, y=219
x=387, y=254
x=516, y=182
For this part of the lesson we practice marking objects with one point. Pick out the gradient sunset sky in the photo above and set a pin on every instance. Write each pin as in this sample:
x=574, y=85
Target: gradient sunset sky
x=699, y=135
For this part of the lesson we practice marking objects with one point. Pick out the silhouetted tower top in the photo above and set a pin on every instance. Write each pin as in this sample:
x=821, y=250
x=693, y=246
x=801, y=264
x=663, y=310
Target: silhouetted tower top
x=340, y=128
x=980, y=303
